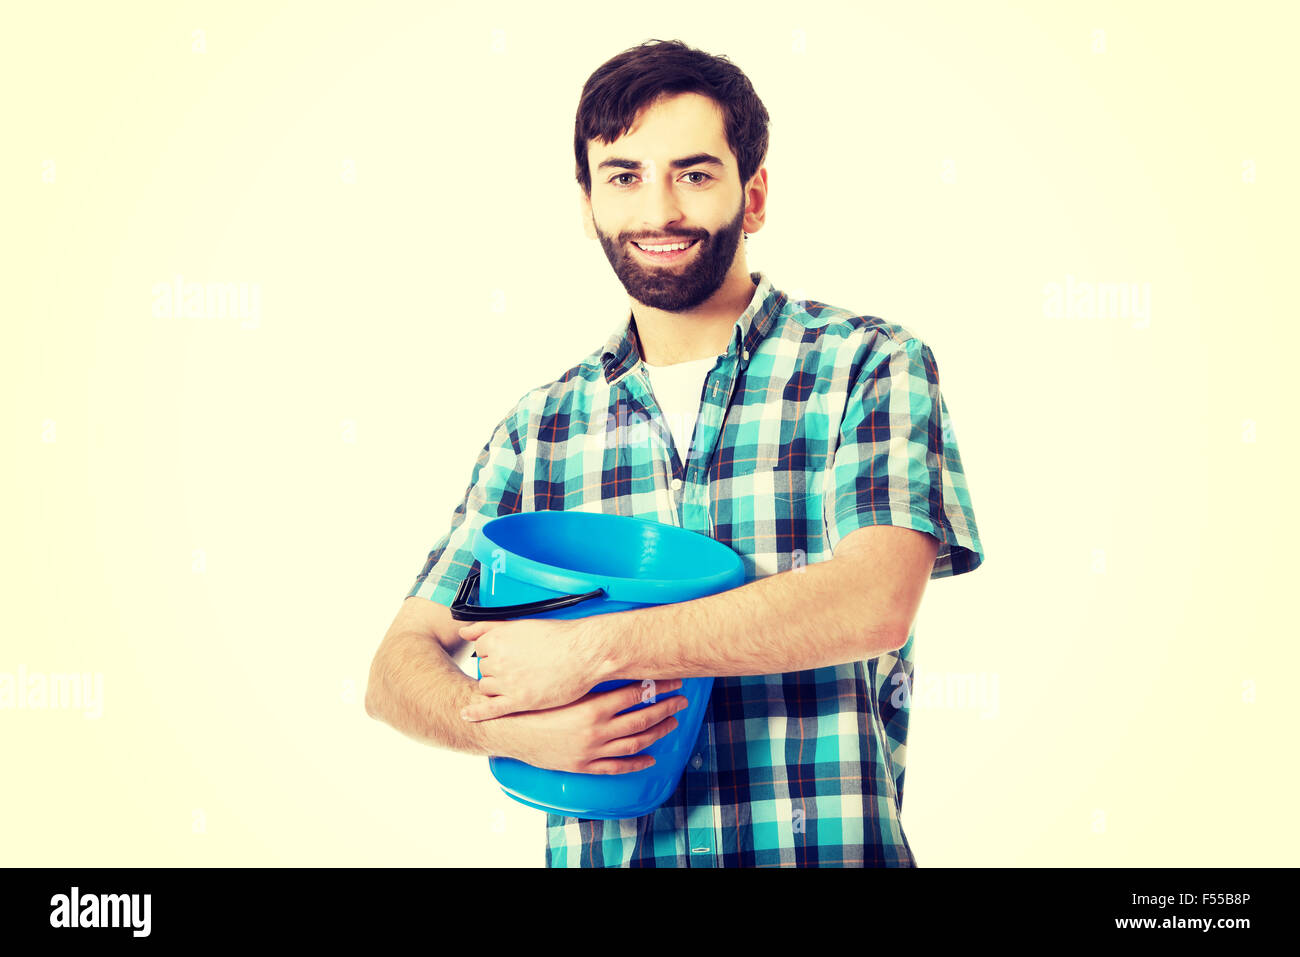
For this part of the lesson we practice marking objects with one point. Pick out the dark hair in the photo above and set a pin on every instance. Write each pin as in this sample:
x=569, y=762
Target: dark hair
x=642, y=75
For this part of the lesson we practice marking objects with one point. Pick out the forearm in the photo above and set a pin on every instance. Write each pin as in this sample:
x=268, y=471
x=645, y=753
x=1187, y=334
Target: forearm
x=810, y=617
x=418, y=689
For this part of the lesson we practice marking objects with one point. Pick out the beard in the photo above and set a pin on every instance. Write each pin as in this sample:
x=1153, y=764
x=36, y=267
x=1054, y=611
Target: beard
x=676, y=287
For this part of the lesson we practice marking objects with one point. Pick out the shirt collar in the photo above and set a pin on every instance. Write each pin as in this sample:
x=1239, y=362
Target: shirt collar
x=621, y=353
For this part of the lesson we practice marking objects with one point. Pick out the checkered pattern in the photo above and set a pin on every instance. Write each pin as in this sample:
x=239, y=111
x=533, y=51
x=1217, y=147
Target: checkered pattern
x=815, y=422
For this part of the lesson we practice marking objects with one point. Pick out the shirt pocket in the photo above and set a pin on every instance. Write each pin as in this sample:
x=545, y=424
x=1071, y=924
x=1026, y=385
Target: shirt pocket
x=773, y=516
x=774, y=484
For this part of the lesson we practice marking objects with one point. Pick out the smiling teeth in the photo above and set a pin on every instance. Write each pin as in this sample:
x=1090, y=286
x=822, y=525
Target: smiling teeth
x=664, y=249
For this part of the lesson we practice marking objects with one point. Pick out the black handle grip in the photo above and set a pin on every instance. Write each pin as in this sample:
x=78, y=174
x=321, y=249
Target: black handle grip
x=462, y=610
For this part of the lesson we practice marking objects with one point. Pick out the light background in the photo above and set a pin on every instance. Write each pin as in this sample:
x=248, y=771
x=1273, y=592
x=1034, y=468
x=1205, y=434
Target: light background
x=221, y=517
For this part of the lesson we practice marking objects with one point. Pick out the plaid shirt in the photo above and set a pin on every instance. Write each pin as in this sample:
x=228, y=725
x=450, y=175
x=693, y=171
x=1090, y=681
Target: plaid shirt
x=815, y=422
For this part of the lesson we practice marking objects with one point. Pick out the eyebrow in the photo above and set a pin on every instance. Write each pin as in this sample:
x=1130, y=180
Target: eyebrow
x=698, y=159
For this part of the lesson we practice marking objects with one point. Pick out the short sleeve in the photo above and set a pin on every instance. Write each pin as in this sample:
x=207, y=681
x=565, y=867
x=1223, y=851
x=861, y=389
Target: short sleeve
x=494, y=490
x=897, y=462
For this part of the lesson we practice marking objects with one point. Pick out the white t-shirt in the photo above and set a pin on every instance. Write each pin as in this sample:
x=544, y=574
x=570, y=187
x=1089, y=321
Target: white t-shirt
x=679, y=390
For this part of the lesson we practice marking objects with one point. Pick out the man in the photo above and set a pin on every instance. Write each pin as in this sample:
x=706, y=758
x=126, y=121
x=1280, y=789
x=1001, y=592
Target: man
x=811, y=440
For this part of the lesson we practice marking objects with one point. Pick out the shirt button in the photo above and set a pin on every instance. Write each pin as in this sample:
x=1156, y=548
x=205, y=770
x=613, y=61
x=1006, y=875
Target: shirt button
x=696, y=762
x=677, y=484
x=745, y=355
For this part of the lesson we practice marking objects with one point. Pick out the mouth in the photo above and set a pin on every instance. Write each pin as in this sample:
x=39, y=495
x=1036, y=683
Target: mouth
x=664, y=257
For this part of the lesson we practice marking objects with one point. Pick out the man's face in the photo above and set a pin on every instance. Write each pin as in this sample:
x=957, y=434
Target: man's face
x=657, y=202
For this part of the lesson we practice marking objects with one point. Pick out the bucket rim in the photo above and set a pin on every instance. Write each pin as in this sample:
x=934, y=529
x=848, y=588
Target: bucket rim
x=632, y=590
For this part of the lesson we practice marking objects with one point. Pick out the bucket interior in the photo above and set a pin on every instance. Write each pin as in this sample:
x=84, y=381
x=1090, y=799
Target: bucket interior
x=588, y=542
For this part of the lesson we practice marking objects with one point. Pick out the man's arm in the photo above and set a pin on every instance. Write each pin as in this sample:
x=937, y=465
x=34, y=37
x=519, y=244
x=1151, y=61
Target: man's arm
x=860, y=604
x=416, y=685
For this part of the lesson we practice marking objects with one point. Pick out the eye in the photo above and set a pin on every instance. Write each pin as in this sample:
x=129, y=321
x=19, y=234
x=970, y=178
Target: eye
x=695, y=172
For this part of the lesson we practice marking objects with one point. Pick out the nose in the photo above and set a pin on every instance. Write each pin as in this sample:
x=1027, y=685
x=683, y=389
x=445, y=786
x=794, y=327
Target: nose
x=661, y=208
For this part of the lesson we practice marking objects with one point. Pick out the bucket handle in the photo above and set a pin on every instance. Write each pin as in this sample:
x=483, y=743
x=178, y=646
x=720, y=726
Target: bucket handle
x=462, y=610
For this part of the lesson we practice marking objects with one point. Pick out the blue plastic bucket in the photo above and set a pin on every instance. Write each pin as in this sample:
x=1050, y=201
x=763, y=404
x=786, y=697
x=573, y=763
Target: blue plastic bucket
x=554, y=564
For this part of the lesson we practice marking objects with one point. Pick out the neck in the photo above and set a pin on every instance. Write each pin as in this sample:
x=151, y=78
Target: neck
x=667, y=338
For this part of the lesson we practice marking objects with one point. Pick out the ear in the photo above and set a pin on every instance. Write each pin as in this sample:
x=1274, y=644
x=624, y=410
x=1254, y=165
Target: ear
x=756, y=202
x=584, y=210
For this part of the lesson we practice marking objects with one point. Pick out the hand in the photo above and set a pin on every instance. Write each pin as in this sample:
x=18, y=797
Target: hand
x=529, y=664
x=589, y=735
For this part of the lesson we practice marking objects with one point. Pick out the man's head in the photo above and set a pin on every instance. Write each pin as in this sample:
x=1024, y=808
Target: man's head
x=669, y=144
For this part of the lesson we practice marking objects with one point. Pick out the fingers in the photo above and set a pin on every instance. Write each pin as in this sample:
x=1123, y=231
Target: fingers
x=633, y=745
x=497, y=707
x=649, y=690
x=473, y=630
x=619, y=765
x=635, y=731
x=630, y=732
x=639, y=692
